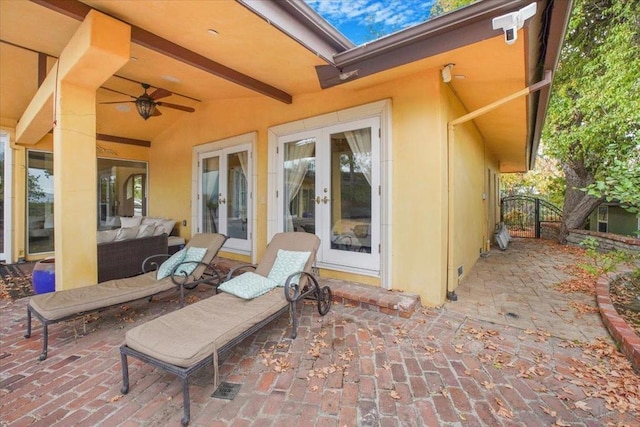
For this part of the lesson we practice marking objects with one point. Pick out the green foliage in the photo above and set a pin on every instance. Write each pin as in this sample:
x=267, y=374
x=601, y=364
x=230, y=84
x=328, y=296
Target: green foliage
x=602, y=262
x=440, y=7
x=545, y=181
x=593, y=122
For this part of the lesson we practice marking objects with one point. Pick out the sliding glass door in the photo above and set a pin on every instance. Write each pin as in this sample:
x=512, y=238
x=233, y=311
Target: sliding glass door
x=224, y=195
x=330, y=185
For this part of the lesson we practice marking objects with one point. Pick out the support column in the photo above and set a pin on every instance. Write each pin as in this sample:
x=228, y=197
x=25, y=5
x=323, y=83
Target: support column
x=98, y=49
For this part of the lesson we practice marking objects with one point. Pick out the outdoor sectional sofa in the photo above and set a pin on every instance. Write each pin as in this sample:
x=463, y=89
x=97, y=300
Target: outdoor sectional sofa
x=67, y=304
x=184, y=341
x=124, y=258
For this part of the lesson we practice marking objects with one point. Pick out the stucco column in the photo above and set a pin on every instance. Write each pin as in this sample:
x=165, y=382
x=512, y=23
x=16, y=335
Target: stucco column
x=97, y=50
x=74, y=165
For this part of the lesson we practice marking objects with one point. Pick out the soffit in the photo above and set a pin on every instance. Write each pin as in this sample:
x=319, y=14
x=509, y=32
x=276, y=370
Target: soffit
x=492, y=70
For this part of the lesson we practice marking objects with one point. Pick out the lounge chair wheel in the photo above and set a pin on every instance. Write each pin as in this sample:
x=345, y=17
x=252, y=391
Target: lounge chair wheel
x=324, y=300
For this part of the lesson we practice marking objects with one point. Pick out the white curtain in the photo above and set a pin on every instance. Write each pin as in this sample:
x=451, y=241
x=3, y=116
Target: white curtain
x=243, y=157
x=360, y=143
x=210, y=199
x=295, y=169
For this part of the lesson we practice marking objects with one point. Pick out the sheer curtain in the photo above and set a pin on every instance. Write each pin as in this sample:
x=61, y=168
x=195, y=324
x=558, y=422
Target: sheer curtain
x=295, y=169
x=210, y=200
x=360, y=143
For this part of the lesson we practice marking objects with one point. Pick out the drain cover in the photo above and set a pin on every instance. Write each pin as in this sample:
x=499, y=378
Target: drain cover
x=226, y=391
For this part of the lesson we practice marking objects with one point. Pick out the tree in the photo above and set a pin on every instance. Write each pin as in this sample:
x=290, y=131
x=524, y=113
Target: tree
x=545, y=180
x=593, y=122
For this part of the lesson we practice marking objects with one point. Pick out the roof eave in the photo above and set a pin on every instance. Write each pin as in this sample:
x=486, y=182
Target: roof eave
x=300, y=22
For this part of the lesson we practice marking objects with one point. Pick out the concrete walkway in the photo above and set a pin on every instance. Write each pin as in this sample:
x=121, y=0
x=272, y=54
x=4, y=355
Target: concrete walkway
x=469, y=363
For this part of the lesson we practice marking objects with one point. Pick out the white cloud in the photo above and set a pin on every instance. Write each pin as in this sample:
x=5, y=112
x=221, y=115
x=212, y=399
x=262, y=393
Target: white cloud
x=392, y=13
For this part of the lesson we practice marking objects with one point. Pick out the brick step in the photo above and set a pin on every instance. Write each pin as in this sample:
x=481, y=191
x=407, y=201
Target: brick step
x=364, y=296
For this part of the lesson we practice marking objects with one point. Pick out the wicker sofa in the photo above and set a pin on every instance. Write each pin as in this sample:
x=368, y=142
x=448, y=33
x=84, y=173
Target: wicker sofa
x=123, y=258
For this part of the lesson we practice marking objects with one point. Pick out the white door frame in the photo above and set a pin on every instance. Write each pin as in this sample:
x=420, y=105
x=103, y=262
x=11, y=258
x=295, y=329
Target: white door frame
x=6, y=253
x=250, y=140
x=381, y=109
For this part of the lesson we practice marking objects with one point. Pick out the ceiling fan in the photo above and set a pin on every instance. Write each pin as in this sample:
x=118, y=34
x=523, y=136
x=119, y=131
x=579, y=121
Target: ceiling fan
x=147, y=104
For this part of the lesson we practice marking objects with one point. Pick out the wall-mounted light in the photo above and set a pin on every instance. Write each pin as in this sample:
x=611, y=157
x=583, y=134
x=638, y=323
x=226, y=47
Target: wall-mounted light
x=446, y=72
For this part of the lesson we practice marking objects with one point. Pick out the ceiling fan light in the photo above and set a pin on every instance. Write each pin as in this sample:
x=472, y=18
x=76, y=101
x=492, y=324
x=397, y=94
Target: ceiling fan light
x=145, y=106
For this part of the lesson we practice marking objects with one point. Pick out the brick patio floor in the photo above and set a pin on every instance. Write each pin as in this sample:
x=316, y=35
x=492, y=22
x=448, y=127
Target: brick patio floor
x=502, y=355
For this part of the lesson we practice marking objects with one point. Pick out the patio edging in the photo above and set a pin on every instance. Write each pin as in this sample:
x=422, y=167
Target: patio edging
x=623, y=334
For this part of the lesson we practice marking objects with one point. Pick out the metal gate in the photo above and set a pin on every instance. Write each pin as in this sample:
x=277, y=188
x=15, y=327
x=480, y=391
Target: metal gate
x=523, y=214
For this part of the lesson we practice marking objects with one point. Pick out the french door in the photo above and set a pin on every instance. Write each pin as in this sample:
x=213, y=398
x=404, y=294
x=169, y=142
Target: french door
x=6, y=163
x=330, y=186
x=223, y=195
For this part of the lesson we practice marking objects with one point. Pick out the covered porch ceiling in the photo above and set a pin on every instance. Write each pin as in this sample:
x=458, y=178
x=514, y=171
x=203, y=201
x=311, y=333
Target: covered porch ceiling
x=211, y=51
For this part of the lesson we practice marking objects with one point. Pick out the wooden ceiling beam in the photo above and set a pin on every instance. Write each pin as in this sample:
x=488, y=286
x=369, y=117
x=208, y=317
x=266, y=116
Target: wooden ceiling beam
x=78, y=10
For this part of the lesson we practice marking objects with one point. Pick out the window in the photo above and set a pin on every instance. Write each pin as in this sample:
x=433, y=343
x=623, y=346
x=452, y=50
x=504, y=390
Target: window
x=603, y=218
x=122, y=191
x=39, y=202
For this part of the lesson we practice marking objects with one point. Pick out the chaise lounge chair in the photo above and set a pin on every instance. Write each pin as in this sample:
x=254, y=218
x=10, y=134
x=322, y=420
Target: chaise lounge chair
x=185, y=270
x=184, y=341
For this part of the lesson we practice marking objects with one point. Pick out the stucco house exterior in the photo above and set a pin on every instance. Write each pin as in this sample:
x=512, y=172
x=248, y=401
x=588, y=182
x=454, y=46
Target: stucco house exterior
x=391, y=152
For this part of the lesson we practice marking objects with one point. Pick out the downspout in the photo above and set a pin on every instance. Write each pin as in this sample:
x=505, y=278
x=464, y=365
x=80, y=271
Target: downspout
x=451, y=277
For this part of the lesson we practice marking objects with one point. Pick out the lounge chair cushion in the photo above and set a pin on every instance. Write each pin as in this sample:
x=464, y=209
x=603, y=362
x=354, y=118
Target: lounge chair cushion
x=287, y=263
x=187, y=336
x=57, y=305
x=248, y=285
x=172, y=262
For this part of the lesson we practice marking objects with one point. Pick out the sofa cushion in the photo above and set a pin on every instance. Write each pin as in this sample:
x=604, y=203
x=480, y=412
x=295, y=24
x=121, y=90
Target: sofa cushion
x=106, y=236
x=146, y=230
x=132, y=221
x=126, y=233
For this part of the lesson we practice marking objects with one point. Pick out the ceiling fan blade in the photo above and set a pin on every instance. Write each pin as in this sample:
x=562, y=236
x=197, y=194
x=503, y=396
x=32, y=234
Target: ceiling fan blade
x=116, y=102
x=156, y=113
x=176, y=106
x=159, y=93
x=117, y=91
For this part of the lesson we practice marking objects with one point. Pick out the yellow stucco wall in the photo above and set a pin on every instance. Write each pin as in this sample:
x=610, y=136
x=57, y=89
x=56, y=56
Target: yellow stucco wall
x=473, y=218
x=421, y=108
x=417, y=181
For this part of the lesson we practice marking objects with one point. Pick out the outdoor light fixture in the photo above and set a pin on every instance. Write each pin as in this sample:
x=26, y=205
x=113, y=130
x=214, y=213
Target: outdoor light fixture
x=145, y=105
x=446, y=72
x=512, y=22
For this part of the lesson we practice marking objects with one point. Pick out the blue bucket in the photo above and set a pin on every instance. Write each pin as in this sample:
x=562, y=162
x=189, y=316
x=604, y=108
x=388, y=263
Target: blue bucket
x=43, y=277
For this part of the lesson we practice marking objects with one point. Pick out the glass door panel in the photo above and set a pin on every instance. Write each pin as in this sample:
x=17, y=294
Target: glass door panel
x=299, y=185
x=330, y=181
x=39, y=202
x=2, y=196
x=225, y=195
x=351, y=191
x=236, y=195
x=210, y=195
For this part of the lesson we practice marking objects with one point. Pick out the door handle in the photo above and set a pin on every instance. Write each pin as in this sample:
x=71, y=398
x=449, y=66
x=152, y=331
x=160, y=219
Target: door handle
x=325, y=200
x=317, y=199
x=221, y=200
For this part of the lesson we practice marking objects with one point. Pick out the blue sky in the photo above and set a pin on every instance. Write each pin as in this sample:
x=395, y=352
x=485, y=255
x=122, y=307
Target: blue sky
x=365, y=20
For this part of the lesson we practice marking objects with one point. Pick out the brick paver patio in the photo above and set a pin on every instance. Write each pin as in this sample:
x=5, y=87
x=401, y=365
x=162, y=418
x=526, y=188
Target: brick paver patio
x=502, y=355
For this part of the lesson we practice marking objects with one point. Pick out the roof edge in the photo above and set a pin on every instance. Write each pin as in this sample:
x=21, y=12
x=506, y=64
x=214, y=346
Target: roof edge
x=300, y=22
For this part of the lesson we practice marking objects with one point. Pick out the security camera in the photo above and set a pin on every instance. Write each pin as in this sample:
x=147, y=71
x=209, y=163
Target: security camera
x=512, y=22
x=510, y=35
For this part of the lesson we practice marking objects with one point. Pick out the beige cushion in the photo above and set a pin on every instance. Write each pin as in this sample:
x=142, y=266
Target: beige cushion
x=56, y=305
x=175, y=241
x=187, y=336
x=126, y=233
x=130, y=221
x=145, y=230
x=107, y=236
